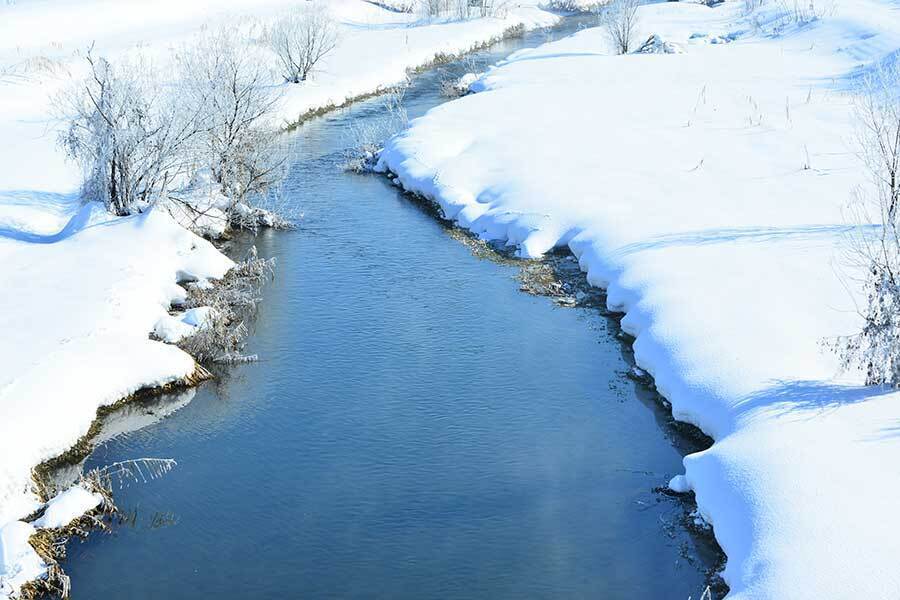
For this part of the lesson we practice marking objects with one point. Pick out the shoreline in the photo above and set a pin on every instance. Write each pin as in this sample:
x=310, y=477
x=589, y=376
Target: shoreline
x=49, y=543
x=553, y=277
x=440, y=58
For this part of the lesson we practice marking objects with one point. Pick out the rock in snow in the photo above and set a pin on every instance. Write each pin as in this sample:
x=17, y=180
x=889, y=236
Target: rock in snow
x=657, y=45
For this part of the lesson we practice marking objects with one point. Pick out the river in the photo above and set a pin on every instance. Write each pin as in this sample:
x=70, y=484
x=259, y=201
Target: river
x=416, y=426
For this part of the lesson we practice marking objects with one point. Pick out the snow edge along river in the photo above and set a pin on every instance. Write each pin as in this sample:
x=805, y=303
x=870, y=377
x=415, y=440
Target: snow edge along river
x=679, y=182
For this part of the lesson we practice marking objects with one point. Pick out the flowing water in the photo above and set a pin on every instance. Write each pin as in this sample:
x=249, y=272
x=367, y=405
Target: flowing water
x=416, y=426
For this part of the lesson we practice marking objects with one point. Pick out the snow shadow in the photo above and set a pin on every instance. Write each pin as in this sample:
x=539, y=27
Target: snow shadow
x=47, y=202
x=787, y=397
x=737, y=234
x=528, y=57
x=857, y=79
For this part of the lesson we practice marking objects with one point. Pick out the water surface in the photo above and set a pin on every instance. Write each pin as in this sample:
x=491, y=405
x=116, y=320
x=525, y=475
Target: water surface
x=416, y=427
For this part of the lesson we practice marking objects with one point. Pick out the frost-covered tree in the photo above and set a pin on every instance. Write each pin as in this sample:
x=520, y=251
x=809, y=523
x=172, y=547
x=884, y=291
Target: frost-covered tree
x=875, y=245
x=301, y=38
x=131, y=139
x=240, y=145
x=140, y=141
x=620, y=20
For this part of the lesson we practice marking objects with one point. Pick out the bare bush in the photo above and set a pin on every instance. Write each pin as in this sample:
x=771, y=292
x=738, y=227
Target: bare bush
x=131, y=139
x=238, y=143
x=492, y=8
x=460, y=9
x=207, y=141
x=805, y=11
x=233, y=300
x=788, y=12
x=574, y=6
x=620, y=20
x=367, y=137
x=875, y=244
x=751, y=5
x=301, y=38
x=431, y=9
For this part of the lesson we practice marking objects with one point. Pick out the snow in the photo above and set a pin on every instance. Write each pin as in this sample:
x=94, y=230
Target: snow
x=67, y=506
x=82, y=290
x=174, y=328
x=370, y=58
x=679, y=182
x=76, y=329
x=679, y=484
x=19, y=563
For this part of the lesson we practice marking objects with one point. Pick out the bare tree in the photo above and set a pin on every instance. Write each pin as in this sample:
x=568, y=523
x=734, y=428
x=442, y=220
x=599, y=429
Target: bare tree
x=460, y=9
x=239, y=143
x=875, y=244
x=130, y=137
x=620, y=19
x=493, y=8
x=301, y=38
x=139, y=141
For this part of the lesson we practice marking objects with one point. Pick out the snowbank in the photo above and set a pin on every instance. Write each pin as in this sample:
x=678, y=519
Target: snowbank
x=76, y=322
x=682, y=184
x=67, y=506
x=19, y=563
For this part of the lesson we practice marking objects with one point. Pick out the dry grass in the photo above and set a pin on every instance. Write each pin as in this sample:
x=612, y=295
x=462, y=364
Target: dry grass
x=42, y=473
x=234, y=299
x=440, y=58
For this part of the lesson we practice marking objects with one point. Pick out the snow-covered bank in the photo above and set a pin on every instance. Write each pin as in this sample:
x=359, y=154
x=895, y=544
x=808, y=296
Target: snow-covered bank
x=19, y=562
x=706, y=190
x=83, y=291
x=77, y=310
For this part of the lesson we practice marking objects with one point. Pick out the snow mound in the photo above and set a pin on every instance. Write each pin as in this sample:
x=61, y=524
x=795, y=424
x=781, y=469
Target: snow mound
x=19, y=563
x=464, y=84
x=172, y=329
x=679, y=484
x=67, y=506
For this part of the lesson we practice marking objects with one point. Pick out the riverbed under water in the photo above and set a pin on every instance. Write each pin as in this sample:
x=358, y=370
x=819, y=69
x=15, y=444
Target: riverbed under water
x=416, y=426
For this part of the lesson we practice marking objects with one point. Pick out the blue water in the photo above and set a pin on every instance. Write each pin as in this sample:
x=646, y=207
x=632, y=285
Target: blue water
x=417, y=427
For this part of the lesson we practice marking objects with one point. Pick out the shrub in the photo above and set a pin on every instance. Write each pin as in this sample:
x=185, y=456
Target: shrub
x=301, y=38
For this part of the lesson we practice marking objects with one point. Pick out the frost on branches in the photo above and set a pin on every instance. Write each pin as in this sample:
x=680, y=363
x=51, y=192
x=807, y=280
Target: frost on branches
x=875, y=243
